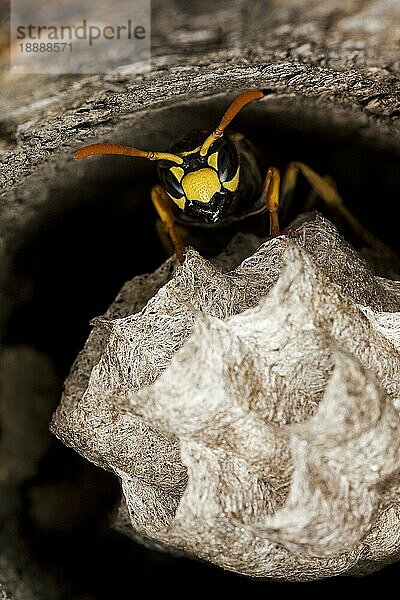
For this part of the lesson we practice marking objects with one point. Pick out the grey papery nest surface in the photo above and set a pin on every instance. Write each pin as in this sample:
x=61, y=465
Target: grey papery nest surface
x=251, y=409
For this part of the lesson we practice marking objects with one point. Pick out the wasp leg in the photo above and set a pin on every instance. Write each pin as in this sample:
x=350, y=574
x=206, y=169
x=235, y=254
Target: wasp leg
x=313, y=196
x=161, y=204
x=271, y=190
x=332, y=199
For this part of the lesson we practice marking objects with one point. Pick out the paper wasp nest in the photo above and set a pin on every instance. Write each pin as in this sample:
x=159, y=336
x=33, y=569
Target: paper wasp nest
x=251, y=411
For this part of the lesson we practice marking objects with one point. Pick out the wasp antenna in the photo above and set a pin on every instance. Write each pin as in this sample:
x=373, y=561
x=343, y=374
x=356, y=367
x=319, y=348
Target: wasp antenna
x=125, y=151
x=230, y=114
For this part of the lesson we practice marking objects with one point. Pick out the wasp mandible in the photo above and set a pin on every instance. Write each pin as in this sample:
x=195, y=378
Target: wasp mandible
x=212, y=178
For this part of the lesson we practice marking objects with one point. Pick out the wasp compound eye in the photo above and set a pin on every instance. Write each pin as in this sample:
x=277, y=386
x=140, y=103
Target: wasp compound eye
x=225, y=159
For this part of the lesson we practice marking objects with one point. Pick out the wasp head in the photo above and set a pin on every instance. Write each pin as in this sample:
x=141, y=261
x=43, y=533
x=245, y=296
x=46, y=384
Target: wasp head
x=203, y=185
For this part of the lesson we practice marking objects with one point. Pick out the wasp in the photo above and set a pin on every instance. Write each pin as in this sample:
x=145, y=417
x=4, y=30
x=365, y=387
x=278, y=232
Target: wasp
x=211, y=179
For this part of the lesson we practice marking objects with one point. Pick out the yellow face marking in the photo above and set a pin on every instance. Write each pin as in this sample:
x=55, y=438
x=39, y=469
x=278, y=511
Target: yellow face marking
x=179, y=201
x=178, y=172
x=213, y=160
x=187, y=152
x=233, y=183
x=201, y=185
